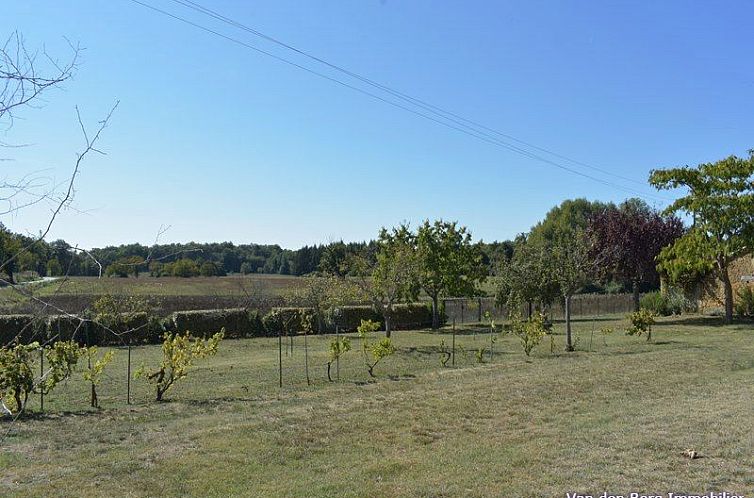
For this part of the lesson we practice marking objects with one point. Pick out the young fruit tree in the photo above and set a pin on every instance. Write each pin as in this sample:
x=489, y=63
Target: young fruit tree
x=94, y=368
x=527, y=277
x=448, y=263
x=178, y=354
x=641, y=323
x=570, y=267
x=373, y=352
x=530, y=331
x=338, y=347
x=626, y=240
x=720, y=198
x=392, y=278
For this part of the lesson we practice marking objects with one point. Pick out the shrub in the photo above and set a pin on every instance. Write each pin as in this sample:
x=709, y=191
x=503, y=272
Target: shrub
x=17, y=375
x=178, y=353
x=641, y=323
x=671, y=303
x=745, y=301
x=529, y=331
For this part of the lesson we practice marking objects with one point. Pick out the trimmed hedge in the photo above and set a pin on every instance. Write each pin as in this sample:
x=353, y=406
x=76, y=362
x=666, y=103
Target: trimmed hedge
x=237, y=322
x=133, y=328
x=413, y=316
x=139, y=328
x=24, y=328
x=405, y=317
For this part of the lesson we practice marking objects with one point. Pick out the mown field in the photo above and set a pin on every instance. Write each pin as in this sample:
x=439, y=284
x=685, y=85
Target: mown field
x=613, y=416
x=234, y=285
x=74, y=294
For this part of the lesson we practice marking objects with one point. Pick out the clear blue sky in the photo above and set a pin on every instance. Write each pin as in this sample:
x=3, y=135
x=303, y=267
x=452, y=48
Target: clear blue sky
x=223, y=143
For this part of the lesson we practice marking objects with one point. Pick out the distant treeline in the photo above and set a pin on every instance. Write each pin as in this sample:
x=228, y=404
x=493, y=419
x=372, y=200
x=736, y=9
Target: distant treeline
x=60, y=258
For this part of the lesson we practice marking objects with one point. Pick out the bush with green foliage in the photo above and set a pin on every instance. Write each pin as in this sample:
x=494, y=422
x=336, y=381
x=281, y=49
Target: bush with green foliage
x=17, y=379
x=641, y=323
x=745, y=301
x=373, y=351
x=183, y=268
x=529, y=331
x=672, y=302
x=179, y=351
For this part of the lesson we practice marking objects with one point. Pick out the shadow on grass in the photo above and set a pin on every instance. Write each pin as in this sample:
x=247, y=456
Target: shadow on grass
x=698, y=321
x=41, y=416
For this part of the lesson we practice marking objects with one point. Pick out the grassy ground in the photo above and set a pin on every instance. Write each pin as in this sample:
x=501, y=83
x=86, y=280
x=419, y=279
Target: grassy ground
x=614, y=416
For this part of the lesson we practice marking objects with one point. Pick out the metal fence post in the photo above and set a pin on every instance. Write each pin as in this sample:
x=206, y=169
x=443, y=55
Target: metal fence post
x=454, y=341
x=128, y=376
x=41, y=375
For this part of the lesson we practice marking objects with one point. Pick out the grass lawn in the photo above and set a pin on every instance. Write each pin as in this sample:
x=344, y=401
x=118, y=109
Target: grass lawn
x=614, y=419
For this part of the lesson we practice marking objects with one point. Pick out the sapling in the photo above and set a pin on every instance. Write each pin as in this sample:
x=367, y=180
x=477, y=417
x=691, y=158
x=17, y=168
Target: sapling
x=374, y=352
x=605, y=331
x=93, y=372
x=338, y=346
x=178, y=354
x=491, y=321
x=308, y=325
x=444, y=353
x=529, y=331
x=641, y=323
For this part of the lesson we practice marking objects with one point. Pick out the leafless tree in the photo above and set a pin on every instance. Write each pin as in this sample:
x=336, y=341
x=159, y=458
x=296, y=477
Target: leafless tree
x=25, y=78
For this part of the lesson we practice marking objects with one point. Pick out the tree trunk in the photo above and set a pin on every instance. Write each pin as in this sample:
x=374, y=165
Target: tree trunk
x=637, y=297
x=387, y=326
x=728, y=287
x=435, y=313
x=569, y=342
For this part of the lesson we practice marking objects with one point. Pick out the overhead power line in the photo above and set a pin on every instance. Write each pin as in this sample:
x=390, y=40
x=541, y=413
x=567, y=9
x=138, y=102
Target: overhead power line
x=428, y=111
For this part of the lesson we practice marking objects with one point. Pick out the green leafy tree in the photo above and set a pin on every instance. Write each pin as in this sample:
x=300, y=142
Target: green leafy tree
x=393, y=277
x=9, y=249
x=185, y=268
x=720, y=199
x=448, y=263
x=571, y=267
x=210, y=269
x=178, y=354
x=527, y=277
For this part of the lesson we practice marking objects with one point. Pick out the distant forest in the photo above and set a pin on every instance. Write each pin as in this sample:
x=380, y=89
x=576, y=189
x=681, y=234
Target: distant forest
x=212, y=259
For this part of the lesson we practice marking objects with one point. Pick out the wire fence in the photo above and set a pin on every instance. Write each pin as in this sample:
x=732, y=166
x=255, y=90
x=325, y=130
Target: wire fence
x=473, y=310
